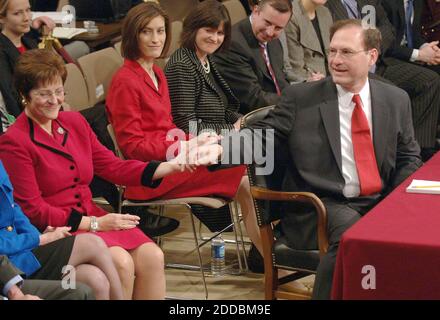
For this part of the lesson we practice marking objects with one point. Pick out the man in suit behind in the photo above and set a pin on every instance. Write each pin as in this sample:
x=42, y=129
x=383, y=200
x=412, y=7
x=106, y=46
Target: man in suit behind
x=421, y=84
x=349, y=139
x=253, y=65
x=409, y=45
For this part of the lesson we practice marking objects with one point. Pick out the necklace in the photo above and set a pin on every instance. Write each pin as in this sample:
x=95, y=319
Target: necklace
x=206, y=66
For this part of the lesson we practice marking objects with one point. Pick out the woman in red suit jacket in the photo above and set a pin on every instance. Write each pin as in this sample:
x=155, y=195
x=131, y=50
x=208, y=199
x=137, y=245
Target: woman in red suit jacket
x=51, y=157
x=139, y=109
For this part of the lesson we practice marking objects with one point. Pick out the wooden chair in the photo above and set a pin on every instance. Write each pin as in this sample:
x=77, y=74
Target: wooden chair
x=277, y=255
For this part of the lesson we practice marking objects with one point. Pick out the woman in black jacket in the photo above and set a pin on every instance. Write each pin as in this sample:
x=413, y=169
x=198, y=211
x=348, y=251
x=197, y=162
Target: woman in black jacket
x=200, y=97
x=17, y=35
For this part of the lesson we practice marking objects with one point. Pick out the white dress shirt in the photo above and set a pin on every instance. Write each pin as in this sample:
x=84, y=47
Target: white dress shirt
x=346, y=107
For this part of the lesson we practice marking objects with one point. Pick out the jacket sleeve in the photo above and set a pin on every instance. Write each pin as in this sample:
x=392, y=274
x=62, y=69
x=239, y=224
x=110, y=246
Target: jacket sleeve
x=184, y=96
x=7, y=272
x=124, y=105
x=408, y=151
x=9, y=93
x=121, y=172
x=26, y=236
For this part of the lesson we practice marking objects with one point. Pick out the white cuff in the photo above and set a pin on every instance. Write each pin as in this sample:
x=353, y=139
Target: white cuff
x=14, y=281
x=414, y=55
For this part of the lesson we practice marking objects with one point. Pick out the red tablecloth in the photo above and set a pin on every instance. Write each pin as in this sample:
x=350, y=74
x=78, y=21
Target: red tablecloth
x=399, y=241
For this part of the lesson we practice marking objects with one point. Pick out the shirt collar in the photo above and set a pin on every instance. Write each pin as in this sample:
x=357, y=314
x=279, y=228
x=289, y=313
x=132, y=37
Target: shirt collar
x=345, y=97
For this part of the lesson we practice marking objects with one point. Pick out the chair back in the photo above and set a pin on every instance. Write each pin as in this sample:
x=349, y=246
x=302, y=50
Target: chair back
x=112, y=134
x=178, y=9
x=98, y=68
x=118, y=47
x=236, y=10
x=176, y=31
x=267, y=211
x=77, y=94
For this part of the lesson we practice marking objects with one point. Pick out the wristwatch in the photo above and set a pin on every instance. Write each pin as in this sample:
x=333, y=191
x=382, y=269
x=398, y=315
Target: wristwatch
x=93, y=224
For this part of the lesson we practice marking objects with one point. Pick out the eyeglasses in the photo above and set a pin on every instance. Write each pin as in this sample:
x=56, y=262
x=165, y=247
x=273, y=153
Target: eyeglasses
x=343, y=53
x=47, y=94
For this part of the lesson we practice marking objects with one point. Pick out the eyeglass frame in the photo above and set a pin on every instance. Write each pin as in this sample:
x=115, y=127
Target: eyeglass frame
x=345, y=55
x=47, y=94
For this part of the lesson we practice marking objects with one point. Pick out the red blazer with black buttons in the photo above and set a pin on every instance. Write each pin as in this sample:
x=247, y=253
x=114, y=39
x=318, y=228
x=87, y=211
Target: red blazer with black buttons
x=51, y=175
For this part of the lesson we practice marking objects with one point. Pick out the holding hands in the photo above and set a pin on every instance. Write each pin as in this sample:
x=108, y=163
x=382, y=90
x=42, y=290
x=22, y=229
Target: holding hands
x=52, y=234
x=202, y=150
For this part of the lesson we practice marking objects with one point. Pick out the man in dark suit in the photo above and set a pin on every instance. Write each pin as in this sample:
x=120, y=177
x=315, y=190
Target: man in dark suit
x=421, y=84
x=349, y=139
x=253, y=65
x=409, y=45
x=13, y=287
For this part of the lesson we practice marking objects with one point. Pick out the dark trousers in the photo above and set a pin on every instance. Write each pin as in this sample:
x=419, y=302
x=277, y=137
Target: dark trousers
x=298, y=229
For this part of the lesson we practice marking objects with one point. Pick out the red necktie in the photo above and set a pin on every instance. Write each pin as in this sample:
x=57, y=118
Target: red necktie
x=269, y=67
x=369, y=178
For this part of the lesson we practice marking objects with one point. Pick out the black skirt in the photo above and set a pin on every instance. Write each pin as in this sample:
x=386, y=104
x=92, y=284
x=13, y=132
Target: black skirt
x=53, y=257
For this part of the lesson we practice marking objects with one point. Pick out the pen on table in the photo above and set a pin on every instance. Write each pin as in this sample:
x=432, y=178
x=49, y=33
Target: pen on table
x=427, y=187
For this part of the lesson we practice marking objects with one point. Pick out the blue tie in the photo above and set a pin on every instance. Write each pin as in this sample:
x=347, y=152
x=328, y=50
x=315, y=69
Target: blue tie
x=408, y=24
x=352, y=8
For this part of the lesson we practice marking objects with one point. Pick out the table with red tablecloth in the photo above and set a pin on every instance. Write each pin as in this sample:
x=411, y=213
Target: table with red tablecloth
x=393, y=252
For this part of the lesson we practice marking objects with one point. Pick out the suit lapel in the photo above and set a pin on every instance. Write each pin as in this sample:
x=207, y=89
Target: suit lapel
x=196, y=62
x=330, y=117
x=307, y=31
x=44, y=140
x=380, y=118
x=255, y=47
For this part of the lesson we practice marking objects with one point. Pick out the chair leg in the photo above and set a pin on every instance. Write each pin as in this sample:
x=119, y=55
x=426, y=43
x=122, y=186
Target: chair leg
x=233, y=209
x=202, y=272
x=238, y=215
x=270, y=283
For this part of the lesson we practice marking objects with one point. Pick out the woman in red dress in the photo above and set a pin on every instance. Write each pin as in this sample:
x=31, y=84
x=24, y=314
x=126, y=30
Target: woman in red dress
x=51, y=157
x=139, y=109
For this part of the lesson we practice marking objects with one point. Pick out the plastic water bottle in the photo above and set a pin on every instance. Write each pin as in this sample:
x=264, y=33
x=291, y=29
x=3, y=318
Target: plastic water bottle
x=217, y=256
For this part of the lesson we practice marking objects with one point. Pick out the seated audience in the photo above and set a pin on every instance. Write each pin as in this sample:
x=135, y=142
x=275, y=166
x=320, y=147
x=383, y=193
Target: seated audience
x=307, y=39
x=139, y=109
x=421, y=84
x=44, y=256
x=349, y=139
x=14, y=287
x=51, y=157
x=431, y=20
x=253, y=64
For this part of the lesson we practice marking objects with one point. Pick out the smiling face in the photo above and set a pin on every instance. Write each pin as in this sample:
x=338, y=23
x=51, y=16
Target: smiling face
x=152, y=38
x=208, y=39
x=349, y=61
x=268, y=23
x=17, y=18
x=45, y=101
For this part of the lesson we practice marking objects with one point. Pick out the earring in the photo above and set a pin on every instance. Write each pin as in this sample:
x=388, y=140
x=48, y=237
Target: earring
x=24, y=101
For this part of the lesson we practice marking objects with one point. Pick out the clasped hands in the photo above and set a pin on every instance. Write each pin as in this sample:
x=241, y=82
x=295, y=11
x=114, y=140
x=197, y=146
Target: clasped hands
x=429, y=53
x=202, y=150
